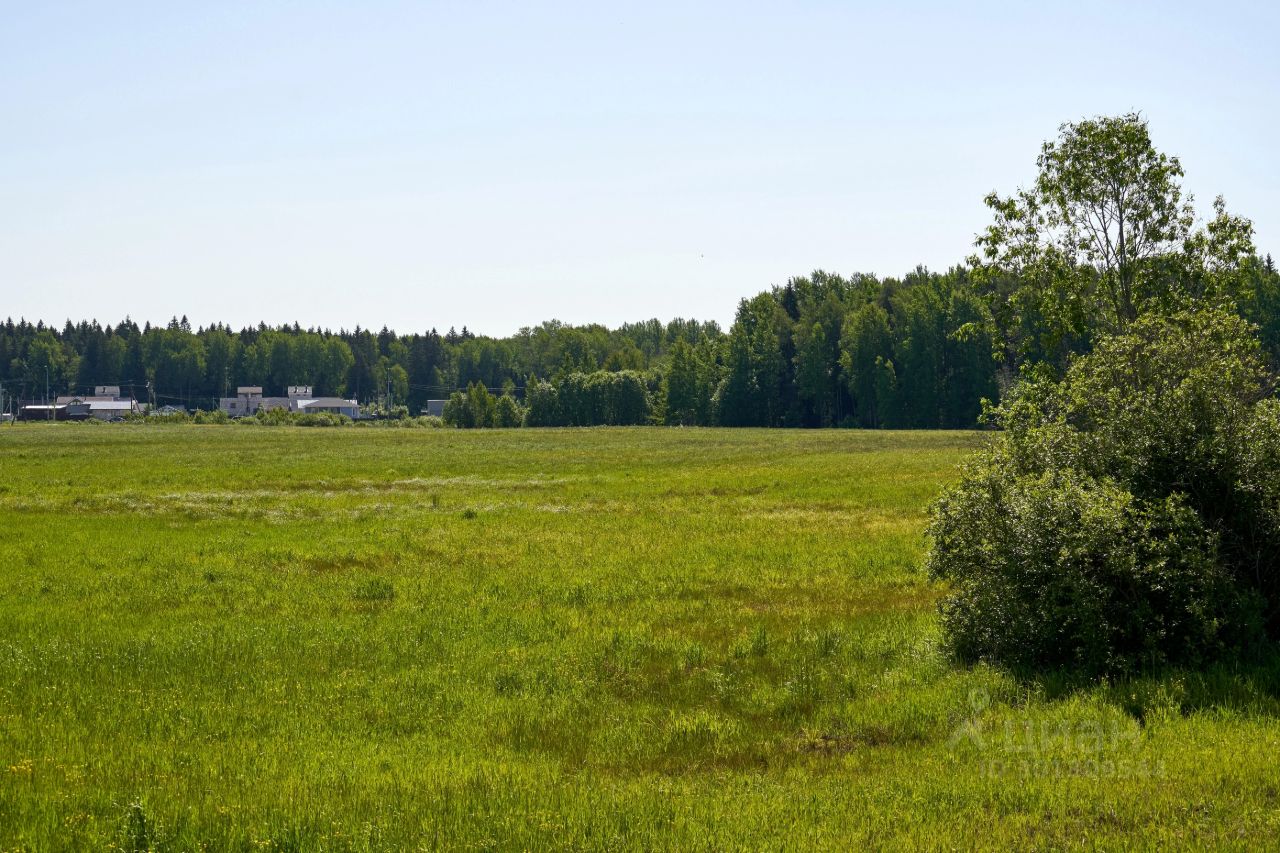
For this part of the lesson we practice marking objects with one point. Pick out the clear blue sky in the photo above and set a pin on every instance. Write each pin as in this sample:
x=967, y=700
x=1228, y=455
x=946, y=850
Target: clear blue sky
x=498, y=164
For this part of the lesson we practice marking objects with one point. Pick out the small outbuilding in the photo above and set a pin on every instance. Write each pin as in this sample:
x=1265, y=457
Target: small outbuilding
x=43, y=412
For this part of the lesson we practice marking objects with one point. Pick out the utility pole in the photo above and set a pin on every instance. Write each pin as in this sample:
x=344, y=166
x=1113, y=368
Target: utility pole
x=46, y=392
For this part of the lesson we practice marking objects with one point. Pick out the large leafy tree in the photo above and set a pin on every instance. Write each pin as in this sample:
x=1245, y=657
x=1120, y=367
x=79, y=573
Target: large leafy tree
x=48, y=363
x=749, y=391
x=682, y=386
x=817, y=362
x=865, y=344
x=1104, y=233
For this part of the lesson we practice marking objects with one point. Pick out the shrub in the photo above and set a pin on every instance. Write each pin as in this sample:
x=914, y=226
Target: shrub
x=158, y=418
x=319, y=419
x=1129, y=515
x=273, y=417
x=284, y=417
x=217, y=416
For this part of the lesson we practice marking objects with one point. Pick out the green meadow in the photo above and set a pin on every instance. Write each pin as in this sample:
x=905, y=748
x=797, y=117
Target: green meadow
x=246, y=638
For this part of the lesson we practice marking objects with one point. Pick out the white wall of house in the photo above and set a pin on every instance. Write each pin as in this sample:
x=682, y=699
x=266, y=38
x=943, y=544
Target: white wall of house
x=249, y=401
x=332, y=405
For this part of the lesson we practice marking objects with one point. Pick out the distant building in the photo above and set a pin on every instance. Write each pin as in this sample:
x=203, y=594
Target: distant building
x=43, y=412
x=249, y=401
x=332, y=405
x=435, y=408
x=103, y=410
x=105, y=404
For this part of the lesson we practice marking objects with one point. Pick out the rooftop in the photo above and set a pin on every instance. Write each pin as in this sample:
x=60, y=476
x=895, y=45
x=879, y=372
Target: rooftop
x=327, y=403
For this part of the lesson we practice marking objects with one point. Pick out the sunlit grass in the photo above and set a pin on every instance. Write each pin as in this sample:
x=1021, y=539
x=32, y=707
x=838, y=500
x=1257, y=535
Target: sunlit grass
x=345, y=639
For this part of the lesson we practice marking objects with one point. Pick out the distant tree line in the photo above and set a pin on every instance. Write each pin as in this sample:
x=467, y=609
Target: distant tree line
x=821, y=350
x=1103, y=236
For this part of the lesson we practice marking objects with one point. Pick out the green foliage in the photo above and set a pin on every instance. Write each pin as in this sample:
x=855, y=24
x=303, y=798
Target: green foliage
x=1058, y=571
x=1129, y=515
x=457, y=413
x=385, y=412
x=284, y=417
x=217, y=416
x=683, y=391
x=509, y=413
x=589, y=399
x=542, y=404
x=483, y=408
x=479, y=409
x=755, y=366
x=420, y=422
x=867, y=343
x=158, y=418
x=1103, y=235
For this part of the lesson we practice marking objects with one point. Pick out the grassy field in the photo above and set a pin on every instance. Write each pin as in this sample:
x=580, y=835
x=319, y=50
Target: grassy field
x=249, y=638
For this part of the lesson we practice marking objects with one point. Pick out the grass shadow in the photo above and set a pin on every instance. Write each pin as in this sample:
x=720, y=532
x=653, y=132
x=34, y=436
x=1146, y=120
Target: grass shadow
x=1246, y=687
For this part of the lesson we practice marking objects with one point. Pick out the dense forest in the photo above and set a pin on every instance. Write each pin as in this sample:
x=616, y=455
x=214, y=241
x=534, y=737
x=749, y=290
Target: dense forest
x=1103, y=236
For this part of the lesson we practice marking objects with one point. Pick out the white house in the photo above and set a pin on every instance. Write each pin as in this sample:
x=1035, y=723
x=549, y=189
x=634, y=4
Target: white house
x=246, y=402
x=249, y=401
x=105, y=403
x=333, y=405
x=104, y=410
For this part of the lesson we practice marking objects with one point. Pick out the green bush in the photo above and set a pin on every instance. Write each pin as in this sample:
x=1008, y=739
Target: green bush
x=320, y=419
x=284, y=417
x=420, y=422
x=1129, y=515
x=217, y=416
x=273, y=417
x=159, y=418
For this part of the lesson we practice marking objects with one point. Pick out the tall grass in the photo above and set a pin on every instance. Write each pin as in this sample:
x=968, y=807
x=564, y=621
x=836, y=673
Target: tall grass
x=376, y=640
